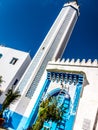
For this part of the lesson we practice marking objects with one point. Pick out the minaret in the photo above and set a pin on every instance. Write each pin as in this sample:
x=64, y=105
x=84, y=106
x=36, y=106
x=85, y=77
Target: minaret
x=66, y=21
x=54, y=44
x=51, y=48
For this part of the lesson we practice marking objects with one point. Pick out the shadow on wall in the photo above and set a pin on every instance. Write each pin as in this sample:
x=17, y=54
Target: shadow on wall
x=85, y=82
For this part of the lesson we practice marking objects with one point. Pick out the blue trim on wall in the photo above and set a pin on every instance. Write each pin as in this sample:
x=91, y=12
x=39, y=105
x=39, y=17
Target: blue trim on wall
x=34, y=112
x=12, y=119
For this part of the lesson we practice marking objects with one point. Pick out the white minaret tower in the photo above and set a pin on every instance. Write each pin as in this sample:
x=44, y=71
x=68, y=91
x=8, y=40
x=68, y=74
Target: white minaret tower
x=51, y=48
x=64, y=27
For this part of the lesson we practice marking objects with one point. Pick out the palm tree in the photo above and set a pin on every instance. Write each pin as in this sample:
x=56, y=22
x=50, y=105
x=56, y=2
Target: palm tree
x=11, y=97
x=47, y=111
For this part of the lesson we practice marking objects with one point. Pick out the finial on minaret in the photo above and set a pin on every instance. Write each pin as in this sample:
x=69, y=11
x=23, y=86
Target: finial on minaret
x=73, y=3
x=76, y=2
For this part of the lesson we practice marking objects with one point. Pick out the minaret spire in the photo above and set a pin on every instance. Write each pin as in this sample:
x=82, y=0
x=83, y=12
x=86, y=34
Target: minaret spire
x=73, y=4
x=77, y=2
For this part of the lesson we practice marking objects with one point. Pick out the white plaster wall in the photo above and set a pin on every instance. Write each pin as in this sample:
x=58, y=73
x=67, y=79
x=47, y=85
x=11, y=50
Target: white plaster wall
x=88, y=104
x=11, y=72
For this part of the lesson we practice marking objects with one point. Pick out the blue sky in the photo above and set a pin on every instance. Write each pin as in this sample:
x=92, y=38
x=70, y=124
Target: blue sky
x=25, y=23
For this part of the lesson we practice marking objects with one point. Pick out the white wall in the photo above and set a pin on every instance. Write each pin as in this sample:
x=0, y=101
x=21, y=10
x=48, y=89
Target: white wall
x=88, y=104
x=10, y=72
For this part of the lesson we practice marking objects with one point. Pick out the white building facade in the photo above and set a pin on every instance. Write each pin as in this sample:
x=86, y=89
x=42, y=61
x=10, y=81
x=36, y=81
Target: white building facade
x=86, y=116
x=13, y=63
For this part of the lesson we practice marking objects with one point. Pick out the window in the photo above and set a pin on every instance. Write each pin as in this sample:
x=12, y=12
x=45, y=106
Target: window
x=15, y=83
x=1, y=55
x=13, y=61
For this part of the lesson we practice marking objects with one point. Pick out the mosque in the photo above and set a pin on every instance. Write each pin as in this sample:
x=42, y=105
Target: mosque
x=73, y=80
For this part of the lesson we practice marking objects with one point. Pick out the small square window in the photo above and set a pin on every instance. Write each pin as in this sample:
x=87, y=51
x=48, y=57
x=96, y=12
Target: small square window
x=13, y=61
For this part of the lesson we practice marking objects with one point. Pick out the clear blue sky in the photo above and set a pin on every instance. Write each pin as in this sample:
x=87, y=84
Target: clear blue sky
x=25, y=23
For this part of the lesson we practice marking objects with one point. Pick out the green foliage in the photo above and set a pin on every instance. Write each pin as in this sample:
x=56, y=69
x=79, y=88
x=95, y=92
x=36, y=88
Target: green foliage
x=47, y=111
x=38, y=125
x=11, y=97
